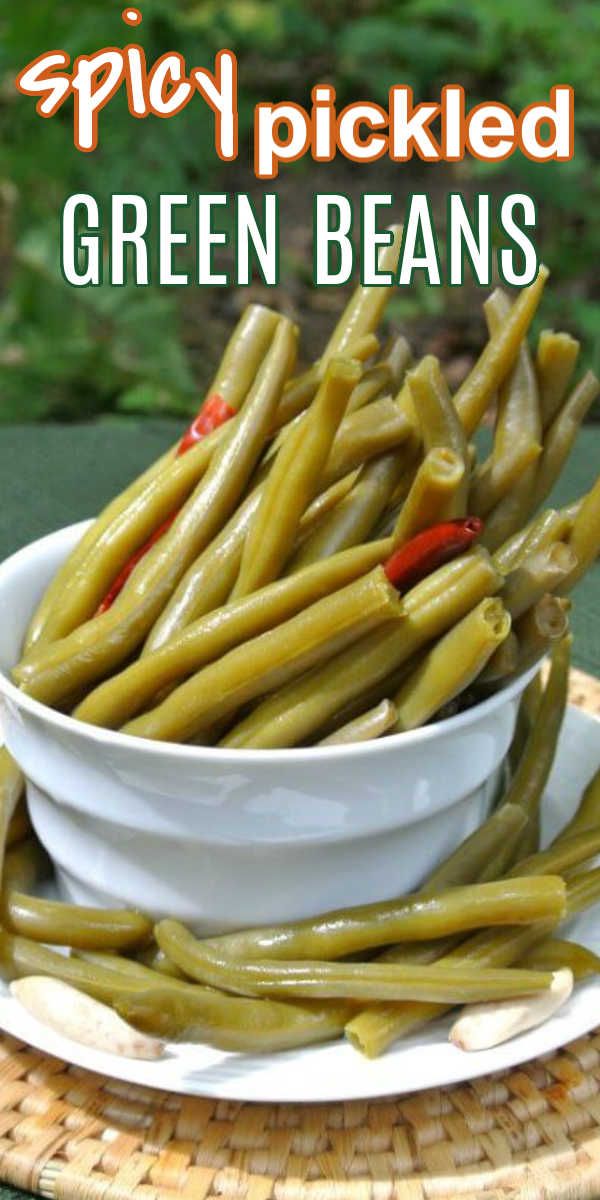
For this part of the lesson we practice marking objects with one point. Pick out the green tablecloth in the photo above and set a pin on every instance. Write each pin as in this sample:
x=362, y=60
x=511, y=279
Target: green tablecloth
x=52, y=475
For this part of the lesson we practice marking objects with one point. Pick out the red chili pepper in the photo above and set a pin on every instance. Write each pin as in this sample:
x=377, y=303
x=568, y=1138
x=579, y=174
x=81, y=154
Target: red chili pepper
x=214, y=412
x=119, y=583
x=430, y=549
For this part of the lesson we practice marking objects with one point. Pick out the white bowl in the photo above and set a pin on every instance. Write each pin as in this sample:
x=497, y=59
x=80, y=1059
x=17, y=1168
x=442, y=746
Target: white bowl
x=223, y=838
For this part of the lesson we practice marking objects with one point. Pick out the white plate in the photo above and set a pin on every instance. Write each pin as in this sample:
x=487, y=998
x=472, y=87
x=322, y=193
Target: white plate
x=335, y=1071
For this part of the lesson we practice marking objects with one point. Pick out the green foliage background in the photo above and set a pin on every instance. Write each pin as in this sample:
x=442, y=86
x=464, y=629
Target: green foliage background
x=68, y=353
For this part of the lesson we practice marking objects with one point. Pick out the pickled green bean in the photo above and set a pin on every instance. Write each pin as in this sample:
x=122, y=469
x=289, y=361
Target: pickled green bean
x=293, y=480
x=25, y=865
x=175, y=1009
x=518, y=422
x=12, y=787
x=587, y=815
x=531, y=775
x=102, y=643
x=555, y=362
x=209, y=580
x=439, y=424
x=73, y=925
x=502, y=663
x=584, y=539
x=420, y=917
x=372, y=724
x=302, y=708
x=554, y=953
x=498, y=357
x=347, y=981
x=268, y=661
x=561, y=434
x=210, y=637
x=433, y=494
x=452, y=664
x=538, y=573
x=537, y=629
x=354, y=518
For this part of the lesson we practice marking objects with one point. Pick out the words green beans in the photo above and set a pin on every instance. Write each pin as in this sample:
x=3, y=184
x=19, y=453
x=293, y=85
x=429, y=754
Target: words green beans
x=302, y=708
x=266, y=662
x=211, y=636
x=97, y=647
x=453, y=663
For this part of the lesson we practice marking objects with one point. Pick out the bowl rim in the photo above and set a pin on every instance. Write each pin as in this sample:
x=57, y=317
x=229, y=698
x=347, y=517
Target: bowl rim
x=215, y=754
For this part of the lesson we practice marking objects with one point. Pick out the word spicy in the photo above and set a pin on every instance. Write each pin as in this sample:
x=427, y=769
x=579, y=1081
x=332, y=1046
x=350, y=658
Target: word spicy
x=363, y=131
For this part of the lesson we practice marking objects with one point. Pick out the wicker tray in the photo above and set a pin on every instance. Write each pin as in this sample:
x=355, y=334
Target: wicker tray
x=531, y=1133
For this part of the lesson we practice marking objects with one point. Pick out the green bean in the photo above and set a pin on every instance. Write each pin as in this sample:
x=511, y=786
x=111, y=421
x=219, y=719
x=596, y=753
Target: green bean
x=299, y=392
x=561, y=434
x=551, y=525
x=175, y=1009
x=25, y=865
x=12, y=787
x=333, y=980
x=19, y=826
x=587, y=815
x=369, y=725
x=363, y=435
x=128, y=521
x=301, y=709
x=568, y=850
x=210, y=637
x=209, y=580
x=526, y=717
x=518, y=421
x=546, y=622
x=555, y=362
x=366, y=306
x=268, y=661
x=433, y=494
x=554, y=953
x=585, y=537
x=452, y=664
x=470, y=860
x=498, y=357
x=244, y=354
x=116, y=962
x=155, y=958
x=102, y=643
x=501, y=664
x=439, y=423
x=374, y=1029
x=323, y=504
x=46, y=617
x=72, y=924
x=293, y=480
x=353, y=519
x=493, y=480
x=421, y=917
x=530, y=778
x=538, y=573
